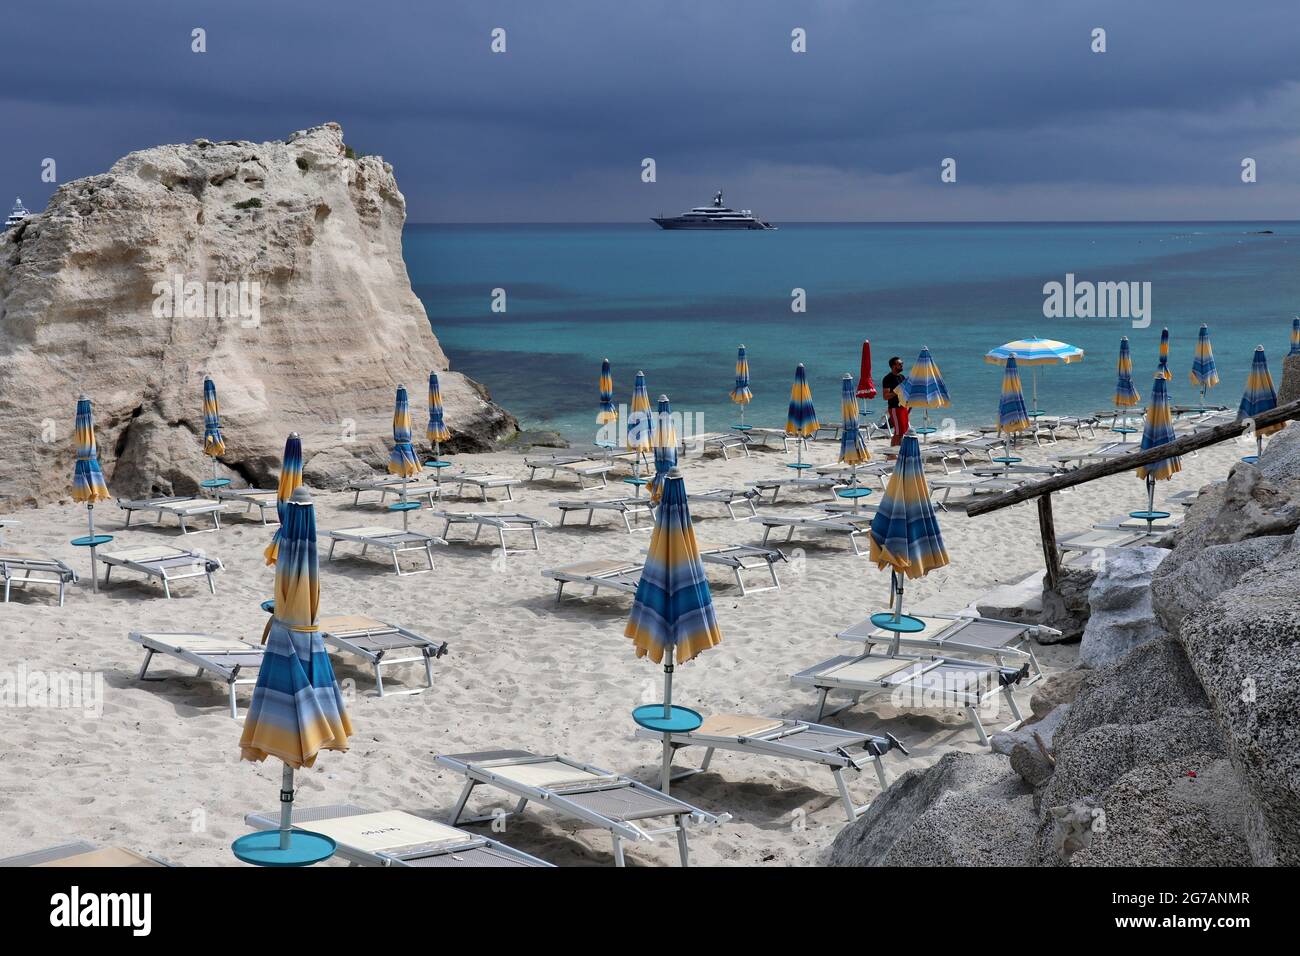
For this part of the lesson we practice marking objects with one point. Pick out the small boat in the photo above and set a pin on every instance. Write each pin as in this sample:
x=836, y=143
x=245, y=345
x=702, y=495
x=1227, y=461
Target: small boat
x=19, y=213
x=716, y=216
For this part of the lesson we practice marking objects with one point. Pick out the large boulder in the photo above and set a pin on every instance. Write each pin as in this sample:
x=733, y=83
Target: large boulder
x=1154, y=679
x=1060, y=688
x=1289, y=390
x=1120, y=615
x=275, y=267
x=1177, y=590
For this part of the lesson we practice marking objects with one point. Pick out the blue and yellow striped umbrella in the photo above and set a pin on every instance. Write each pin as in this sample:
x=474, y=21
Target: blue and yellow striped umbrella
x=853, y=446
x=1295, y=336
x=924, y=387
x=290, y=481
x=905, y=532
x=1204, y=372
x=1035, y=351
x=1125, y=393
x=402, y=460
x=213, y=444
x=741, y=394
x=1260, y=394
x=1012, y=415
x=801, y=419
x=297, y=709
x=1158, y=430
x=1163, y=368
x=640, y=428
x=437, y=432
x=665, y=441
x=87, y=478
x=608, y=413
x=673, y=609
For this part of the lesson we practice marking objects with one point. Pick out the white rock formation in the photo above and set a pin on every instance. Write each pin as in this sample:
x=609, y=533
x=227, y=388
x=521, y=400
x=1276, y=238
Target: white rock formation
x=293, y=296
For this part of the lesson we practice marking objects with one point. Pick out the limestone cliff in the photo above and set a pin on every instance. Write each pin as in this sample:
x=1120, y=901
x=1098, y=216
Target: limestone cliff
x=274, y=267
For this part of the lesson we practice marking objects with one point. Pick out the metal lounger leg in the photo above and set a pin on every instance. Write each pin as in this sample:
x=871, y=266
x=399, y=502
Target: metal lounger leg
x=880, y=772
x=973, y=716
x=682, y=849
x=148, y=656
x=851, y=809
x=461, y=801
x=379, y=679
x=167, y=588
x=618, y=850
x=212, y=584
x=234, y=707
x=333, y=541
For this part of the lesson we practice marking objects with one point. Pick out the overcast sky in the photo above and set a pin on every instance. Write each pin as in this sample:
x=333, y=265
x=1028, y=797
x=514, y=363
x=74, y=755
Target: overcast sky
x=555, y=128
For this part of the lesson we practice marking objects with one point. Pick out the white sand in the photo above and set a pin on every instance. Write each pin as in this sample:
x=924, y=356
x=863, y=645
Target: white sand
x=158, y=771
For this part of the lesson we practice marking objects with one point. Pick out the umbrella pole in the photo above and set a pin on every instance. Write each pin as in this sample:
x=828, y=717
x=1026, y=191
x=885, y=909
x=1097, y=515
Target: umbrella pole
x=896, y=586
x=665, y=775
x=286, y=806
x=90, y=524
x=405, y=513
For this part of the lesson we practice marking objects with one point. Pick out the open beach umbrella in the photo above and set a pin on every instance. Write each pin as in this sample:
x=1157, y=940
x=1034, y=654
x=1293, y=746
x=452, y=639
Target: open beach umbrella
x=1204, y=373
x=672, y=618
x=639, y=424
x=1012, y=417
x=853, y=446
x=1163, y=368
x=401, y=460
x=608, y=413
x=801, y=419
x=213, y=444
x=437, y=432
x=741, y=394
x=905, y=534
x=1157, y=430
x=1033, y=352
x=924, y=387
x=1259, y=397
x=665, y=442
x=1295, y=336
x=290, y=481
x=87, y=478
x=297, y=709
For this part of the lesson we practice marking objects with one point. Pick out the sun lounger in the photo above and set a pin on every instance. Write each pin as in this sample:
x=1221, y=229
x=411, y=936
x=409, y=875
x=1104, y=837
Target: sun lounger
x=393, y=540
x=972, y=484
x=235, y=662
x=629, y=509
x=263, y=499
x=961, y=634
x=1102, y=452
x=20, y=569
x=775, y=485
x=181, y=508
x=621, y=576
x=483, y=483
x=373, y=640
x=161, y=562
x=932, y=681
x=1099, y=539
x=727, y=497
x=786, y=739
x=581, y=468
x=396, y=838
x=744, y=557
x=764, y=435
x=1000, y=469
x=724, y=442
x=392, y=485
x=580, y=791
x=82, y=854
x=839, y=522
x=503, y=524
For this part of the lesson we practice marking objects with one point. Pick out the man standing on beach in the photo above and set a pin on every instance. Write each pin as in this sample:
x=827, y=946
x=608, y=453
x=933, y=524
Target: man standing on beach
x=898, y=412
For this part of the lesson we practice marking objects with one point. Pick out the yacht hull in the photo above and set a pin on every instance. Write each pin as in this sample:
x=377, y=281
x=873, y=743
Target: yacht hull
x=676, y=222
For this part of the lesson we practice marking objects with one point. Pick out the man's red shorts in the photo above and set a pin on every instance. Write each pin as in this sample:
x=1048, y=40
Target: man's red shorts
x=898, y=423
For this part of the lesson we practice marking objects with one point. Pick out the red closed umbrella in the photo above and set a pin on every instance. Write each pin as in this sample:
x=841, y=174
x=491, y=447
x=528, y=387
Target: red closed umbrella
x=866, y=387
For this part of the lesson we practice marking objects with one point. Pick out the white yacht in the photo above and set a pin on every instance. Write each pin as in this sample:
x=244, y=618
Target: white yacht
x=20, y=212
x=716, y=216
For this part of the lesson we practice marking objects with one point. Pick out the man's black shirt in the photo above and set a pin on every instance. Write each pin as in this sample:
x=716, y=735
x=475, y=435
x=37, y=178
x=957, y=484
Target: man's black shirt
x=894, y=380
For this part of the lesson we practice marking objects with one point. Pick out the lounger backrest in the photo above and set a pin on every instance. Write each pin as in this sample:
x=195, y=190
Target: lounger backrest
x=390, y=831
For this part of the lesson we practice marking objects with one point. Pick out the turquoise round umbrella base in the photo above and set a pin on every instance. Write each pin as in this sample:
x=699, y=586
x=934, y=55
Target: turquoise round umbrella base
x=799, y=465
x=263, y=848
x=853, y=492
x=1149, y=515
x=680, y=720
x=1124, y=431
x=268, y=607
x=1008, y=460
x=1036, y=413
x=635, y=481
x=1249, y=459
x=742, y=428
x=215, y=483
x=404, y=506
x=437, y=464
x=903, y=624
x=925, y=430
x=91, y=540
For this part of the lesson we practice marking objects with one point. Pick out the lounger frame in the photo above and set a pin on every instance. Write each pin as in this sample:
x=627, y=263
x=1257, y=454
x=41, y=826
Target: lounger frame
x=503, y=524
x=263, y=499
x=629, y=509
x=398, y=543
x=181, y=507
x=164, y=568
x=154, y=643
x=60, y=574
x=359, y=641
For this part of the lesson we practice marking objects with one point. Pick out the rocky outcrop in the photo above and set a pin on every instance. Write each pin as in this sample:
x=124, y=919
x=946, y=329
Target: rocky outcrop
x=1120, y=616
x=275, y=267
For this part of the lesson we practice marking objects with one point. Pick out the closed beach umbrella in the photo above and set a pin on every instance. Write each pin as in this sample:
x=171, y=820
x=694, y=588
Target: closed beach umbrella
x=639, y=426
x=924, y=387
x=1012, y=417
x=665, y=442
x=905, y=532
x=1204, y=373
x=1295, y=336
x=1033, y=352
x=853, y=447
x=401, y=460
x=608, y=413
x=1126, y=395
x=297, y=709
x=741, y=394
x=801, y=419
x=1163, y=368
x=437, y=432
x=87, y=477
x=1259, y=397
x=672, y=618
x=213, y=444
x=1158, y=430
x=866, y=387
x=290, y=481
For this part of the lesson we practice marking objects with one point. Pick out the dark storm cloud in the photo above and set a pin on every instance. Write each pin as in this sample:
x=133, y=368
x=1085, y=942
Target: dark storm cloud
x=555, y=128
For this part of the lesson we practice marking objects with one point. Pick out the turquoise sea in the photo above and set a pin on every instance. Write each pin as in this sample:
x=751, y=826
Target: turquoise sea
x=677, y=304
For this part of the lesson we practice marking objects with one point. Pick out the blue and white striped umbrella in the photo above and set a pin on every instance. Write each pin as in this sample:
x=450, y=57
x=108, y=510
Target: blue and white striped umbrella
x=665, y=442
x=853, y=446
x=1295, y=336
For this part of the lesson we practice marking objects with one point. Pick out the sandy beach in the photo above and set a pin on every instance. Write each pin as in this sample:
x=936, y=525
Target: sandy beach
x=158, y=769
